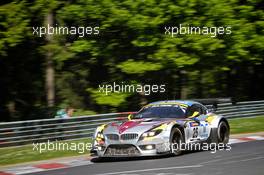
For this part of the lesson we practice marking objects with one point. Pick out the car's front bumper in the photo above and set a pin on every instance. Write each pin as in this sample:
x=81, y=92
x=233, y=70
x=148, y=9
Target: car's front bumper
x=133, y=148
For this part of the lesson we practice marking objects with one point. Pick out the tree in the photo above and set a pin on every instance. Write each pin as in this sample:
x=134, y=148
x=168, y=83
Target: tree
x=50, y=84
x=132, y=47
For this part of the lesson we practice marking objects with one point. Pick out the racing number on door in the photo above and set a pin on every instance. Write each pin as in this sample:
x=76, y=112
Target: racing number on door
x=195, y=132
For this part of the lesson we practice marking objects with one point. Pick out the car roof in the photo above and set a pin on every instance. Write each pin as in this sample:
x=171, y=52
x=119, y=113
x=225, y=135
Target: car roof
x=181, y=102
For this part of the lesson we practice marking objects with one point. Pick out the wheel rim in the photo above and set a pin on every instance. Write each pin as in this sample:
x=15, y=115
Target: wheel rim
x=176, y=140
x=223, y=133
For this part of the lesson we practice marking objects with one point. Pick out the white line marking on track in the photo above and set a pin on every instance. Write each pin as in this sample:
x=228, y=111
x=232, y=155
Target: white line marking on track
x=152, y=169
x=227, y=158
x=243, y=160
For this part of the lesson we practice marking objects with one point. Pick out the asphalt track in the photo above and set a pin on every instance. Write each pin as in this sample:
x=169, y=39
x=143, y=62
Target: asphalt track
x=244, y=158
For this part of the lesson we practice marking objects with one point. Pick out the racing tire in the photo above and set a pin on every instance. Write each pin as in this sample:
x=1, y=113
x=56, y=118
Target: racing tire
x=175, y=141
x=223, y=132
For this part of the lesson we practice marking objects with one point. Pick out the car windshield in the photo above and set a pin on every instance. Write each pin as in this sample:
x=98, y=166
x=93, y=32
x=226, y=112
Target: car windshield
x=161, y=112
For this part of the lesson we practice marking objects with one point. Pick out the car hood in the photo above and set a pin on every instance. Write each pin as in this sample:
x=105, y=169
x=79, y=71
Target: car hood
x=134, y=126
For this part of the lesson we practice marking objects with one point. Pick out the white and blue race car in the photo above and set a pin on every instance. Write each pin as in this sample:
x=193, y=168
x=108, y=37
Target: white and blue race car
x=161, y=128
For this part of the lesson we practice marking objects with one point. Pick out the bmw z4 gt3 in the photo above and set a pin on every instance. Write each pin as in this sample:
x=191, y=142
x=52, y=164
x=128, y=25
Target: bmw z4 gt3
x=158, y=127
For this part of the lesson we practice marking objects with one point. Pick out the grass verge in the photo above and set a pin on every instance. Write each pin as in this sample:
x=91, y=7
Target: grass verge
x=246, y=125
x=14, y=155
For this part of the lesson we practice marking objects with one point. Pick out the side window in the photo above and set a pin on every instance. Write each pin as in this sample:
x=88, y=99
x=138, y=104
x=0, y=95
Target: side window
x=192, y=109
x=202, y=109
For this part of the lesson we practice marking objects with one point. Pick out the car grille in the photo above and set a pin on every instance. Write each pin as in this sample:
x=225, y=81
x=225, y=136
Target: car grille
x=112, y=136
x=129, y=136
x=121, y=150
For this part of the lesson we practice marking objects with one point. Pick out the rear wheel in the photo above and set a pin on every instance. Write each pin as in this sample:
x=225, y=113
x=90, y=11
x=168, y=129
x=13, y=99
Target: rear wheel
x=176, y=140
x=223, y=133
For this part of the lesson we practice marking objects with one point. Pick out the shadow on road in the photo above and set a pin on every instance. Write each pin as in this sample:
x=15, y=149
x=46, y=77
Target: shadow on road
x=120, y=159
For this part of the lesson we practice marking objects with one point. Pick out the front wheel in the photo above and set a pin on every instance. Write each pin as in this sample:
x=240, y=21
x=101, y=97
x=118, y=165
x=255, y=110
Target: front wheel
x=176, y=140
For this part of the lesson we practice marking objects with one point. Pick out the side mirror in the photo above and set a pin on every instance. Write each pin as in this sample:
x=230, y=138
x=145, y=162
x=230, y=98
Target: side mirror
x=195, y=114
x=130, y=117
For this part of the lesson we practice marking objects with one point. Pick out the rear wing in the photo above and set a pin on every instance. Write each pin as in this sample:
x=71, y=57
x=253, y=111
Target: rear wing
x=212, y=103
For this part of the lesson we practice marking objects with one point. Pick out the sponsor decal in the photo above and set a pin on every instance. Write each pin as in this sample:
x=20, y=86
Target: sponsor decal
x=128, y=124
x=193, y=124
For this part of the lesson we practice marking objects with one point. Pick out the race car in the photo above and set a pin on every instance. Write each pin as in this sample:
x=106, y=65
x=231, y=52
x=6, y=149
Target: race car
x=160, y=128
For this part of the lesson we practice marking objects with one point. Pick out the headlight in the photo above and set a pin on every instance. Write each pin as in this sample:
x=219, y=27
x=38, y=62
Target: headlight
x=99, y=137
x=151, y=133
x=154, y=131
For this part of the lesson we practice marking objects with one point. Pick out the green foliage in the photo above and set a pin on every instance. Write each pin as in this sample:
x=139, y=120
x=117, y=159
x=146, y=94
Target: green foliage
x=81, y=112
x=111, y=99
x=138, y=67
x=131, y=46
x=13, y=23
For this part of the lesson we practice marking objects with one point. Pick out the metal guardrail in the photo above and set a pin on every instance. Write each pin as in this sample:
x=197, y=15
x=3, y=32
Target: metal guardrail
x=35, y=131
